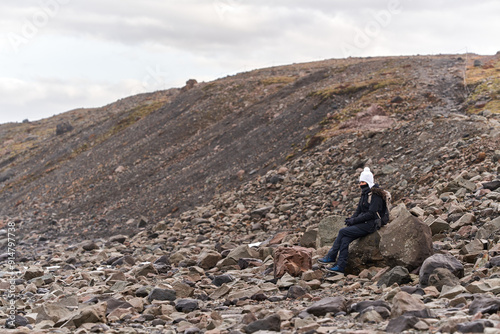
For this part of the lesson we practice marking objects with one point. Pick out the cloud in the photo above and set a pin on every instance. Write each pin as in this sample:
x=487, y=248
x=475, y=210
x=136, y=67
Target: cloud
x=22, y=99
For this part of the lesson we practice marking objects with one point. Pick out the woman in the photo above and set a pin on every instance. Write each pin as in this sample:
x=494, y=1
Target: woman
x=360, y=224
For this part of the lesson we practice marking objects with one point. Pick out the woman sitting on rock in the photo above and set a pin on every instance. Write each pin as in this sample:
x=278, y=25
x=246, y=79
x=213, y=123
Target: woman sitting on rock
x=360, y=224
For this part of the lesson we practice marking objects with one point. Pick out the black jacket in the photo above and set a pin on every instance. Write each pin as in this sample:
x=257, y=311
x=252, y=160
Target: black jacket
x=366, y=213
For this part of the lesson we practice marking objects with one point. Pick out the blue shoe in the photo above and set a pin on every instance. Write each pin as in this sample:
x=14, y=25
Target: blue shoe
x=325, y=260
x=335, y=269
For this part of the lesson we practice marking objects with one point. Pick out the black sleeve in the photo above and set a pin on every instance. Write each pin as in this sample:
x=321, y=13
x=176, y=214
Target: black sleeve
x=376, y=205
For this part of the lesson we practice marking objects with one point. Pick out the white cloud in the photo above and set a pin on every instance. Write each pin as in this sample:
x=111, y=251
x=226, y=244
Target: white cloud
x=21, y=98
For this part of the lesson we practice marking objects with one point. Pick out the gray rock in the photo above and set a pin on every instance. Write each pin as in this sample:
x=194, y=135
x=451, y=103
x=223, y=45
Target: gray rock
x=19, y=321
x=477, y=326
x=327, y=305
x=401, y=323
x=484, y=304
x=162, y=294
x=208, y=259
x=406, y=241
x=328, y=229
x=271, y=323
x=89, y=246
x=365, y=252
x=261, y=212
x=440, y=261
x=438, y=226
x=295, y=292
x=359, y=307
x=308, y=239
x=143, y=292
x=6, y=175
x=118, y=238
x=186, y=305
x=493, y=185
x=222, y=279
x=399, y=275
x=63, y=128
x=441, y=277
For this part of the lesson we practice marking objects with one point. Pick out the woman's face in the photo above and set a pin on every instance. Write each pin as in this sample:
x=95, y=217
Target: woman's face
x=362, y=183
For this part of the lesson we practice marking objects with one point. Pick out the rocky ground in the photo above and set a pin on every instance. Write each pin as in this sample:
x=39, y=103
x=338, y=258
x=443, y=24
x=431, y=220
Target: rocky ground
x=245, y=260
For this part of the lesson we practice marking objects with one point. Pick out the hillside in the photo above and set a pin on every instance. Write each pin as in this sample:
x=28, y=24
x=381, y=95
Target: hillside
x=163, y=212
x=157, y=154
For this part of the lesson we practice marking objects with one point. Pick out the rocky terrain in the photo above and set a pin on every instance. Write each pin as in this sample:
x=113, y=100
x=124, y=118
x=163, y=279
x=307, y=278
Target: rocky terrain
x=204, y=209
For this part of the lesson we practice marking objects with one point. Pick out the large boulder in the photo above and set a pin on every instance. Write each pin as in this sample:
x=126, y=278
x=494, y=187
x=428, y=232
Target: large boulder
x=328, y=229
x=364, y=253
x=292, y=260
x=406, y=241
x=446, y=261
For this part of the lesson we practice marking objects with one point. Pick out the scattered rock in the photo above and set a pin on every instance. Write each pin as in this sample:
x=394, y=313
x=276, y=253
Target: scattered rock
x=292, y=260
x=398, y=275
x=63, y=128
x=435, y=261
x=161, y=294
x=327, y=305
x=176, y=241
x=271, y=323
x=186, y=305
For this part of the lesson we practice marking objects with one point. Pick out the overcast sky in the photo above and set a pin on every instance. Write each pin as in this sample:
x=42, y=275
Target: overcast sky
x=58, y=55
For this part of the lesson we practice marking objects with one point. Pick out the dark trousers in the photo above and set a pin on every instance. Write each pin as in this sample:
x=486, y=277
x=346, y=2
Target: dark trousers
x=341, y=244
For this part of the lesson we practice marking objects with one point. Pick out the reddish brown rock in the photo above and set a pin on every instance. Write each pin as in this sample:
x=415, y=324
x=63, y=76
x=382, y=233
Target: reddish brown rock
x=292, y=260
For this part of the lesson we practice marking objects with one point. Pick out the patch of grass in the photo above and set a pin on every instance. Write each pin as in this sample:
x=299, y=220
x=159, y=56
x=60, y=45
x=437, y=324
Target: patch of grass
x=135, y=115
x=353, y=88
x=313, y=142
x=209, y=86
x=277, y=81
x=485, y=81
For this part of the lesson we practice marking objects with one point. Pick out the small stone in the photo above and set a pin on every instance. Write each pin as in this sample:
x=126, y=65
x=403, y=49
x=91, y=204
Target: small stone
x=33, y=272
x=89, y=246
x=161, y=294
x=186, y=305
x=271, y=323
